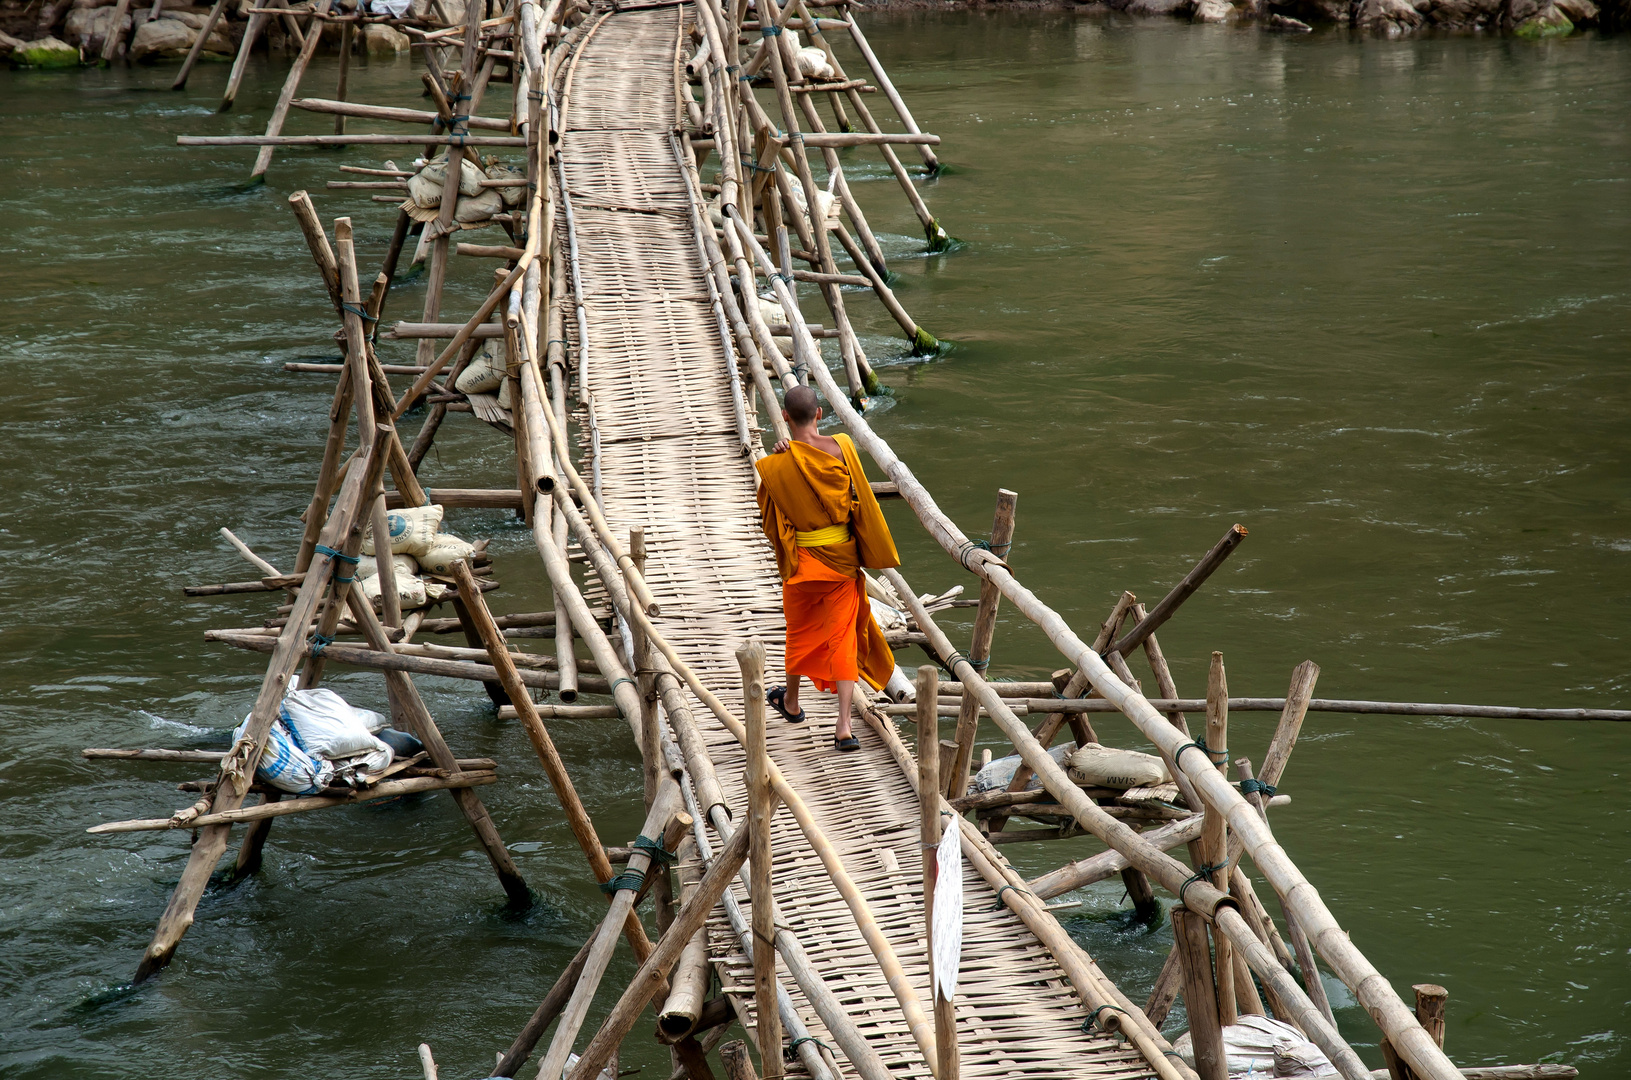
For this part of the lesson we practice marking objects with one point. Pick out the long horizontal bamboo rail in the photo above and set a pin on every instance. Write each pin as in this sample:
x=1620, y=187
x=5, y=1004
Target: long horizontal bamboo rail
x=348, y=140
x=381, y=790
x=1023, y=706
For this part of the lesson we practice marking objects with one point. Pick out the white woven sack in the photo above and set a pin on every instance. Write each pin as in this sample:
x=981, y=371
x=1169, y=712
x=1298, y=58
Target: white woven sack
x=1102, y=766
x=412, y=530
x=484, y=373
x=448, y=549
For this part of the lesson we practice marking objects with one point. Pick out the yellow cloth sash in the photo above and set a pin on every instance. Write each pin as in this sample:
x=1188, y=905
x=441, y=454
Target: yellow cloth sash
x=832, y=534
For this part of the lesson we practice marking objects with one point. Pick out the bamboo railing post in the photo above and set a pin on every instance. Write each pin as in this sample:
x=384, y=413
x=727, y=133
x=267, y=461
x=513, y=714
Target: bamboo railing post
x=1214, y=834
x=751, y=659
x=889, y=91
x=979, y=650
x=1205, y=1030
x=650, y=733
x=928, y=795
x=738, y=1065
x=577, y=818
x=280, y=112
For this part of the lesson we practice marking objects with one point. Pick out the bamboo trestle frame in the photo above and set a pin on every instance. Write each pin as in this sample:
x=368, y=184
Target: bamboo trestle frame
x=629, y=294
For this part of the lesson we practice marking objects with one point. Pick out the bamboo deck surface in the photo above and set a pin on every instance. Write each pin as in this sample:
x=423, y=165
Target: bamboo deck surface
x=657, y=371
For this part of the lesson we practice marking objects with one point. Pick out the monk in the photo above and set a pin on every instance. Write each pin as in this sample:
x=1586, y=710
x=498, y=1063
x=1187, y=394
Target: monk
x=823, y=520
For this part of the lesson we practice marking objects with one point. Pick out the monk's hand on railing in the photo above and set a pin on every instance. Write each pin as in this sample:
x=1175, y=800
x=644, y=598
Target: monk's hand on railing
x=781, y=446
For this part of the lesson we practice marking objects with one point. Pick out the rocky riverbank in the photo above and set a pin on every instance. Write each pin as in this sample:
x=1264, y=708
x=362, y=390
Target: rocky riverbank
x=69, y=33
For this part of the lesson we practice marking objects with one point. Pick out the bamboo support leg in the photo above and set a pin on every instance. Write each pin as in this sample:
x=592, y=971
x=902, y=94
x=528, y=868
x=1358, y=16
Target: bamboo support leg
x=979, y=650
x=577, y=817
x=1167, y=984
x=238, y=767
x=347, y=33
x=116, y=33
x=1200, y=1002
x=257, y=21
x=254, y=841
x=1214, y=834
x=297, y=70
x=198, y=44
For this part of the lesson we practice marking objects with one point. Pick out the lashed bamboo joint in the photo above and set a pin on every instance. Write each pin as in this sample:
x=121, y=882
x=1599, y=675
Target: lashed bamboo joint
x=630, y=349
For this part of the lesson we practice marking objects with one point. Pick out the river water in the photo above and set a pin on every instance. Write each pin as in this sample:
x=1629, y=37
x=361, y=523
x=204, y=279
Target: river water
x=1371, y=300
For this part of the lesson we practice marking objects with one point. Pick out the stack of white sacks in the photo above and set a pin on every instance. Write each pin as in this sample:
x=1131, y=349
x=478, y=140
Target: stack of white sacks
x=417, y=546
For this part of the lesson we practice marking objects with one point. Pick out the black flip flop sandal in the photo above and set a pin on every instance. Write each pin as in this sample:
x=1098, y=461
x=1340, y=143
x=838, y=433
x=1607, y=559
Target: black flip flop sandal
x=778, y=701
x=847, y=743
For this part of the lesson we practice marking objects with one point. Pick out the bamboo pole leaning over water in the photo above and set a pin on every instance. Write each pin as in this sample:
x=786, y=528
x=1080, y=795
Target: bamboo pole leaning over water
x=979, y=650
x=928, y=794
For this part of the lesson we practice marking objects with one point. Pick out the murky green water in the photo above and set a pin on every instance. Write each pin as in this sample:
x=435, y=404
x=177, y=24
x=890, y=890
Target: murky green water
x=1372, y=300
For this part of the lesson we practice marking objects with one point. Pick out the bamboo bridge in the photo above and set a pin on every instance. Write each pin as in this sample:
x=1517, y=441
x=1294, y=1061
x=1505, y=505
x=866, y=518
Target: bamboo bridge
x=635, y=353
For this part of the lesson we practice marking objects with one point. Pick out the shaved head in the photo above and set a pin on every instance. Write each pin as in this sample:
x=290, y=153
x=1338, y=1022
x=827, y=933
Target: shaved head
x=801, y=405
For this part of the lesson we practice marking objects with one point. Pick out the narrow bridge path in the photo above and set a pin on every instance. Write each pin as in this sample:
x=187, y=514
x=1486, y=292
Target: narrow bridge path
x=658, y=375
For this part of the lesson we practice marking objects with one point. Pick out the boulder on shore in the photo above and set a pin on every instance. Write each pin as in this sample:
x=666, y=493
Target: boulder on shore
x=171, y=35
x=1387, y=18
x=1536, y=19
x=379, y=39
x=46, y=52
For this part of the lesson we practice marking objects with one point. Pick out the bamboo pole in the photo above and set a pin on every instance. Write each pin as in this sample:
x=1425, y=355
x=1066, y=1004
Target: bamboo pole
x=1108, y=1007
x=1214, y=833
x=751, y=659
x=626, y=889
x=342, y=108
x=116, y=33
x=416, y=716
x=928, y=794
x=257, y=19
x=347, y=41
x=979, y=650
x=280, y=111
x=1182, y=591
x=889, y=91
x=210, y=20
x=227, y=818
x=577, y=818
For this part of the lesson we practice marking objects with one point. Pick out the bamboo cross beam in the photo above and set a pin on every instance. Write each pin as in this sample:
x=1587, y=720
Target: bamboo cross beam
x=381, y=790
x=267, y=141
x=382, y=112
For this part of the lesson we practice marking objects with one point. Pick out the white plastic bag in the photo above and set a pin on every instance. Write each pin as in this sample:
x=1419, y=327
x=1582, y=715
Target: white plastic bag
x=1000, y=773
x=325, y=725
x=1259, y=1046
x=285, y=766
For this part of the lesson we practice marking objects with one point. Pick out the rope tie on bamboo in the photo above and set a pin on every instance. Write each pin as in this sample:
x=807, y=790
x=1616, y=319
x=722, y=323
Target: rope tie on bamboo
x=999, y=904
x=1216, y=757
x=319, y=642
x=1201, y=873
x=339, y=556
x=660, y=855
x=1093, y=1017
x=1249, y=786
x=771, y=31
x=628, y=879
x=950, y=663
x=612, y=690
x=980, y=665
x=358, y=312
x=792, y=1048
x=971, y=546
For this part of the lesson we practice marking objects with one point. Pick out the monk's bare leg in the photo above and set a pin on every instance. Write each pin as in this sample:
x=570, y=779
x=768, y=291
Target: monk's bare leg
x=846, y=693
x=792, y=698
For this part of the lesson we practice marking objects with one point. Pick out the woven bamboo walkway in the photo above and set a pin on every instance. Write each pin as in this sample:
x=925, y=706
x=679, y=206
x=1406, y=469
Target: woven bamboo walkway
x=658, y=375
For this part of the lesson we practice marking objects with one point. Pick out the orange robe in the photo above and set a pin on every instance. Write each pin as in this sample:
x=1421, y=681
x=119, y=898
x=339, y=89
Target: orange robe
x=831, y=634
